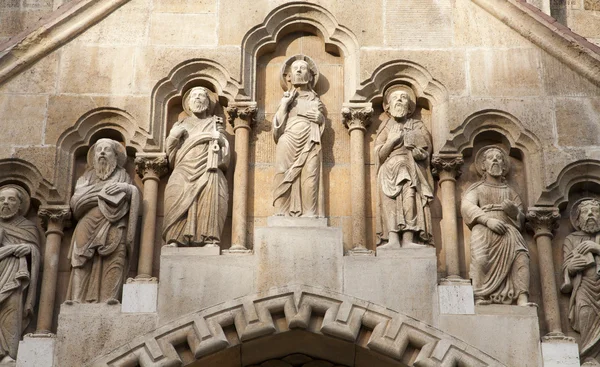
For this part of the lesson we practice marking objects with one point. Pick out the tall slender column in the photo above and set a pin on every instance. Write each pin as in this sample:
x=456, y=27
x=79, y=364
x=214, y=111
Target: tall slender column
x=241, y=116
x=150, y=167
x=356, y=118
x=54, y=219
x=447, y=166
x=543, y=221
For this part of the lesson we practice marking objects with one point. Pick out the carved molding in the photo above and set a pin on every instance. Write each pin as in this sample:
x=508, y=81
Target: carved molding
x=56, y=215
x=357, y=115
x=15, y=170
x=296, y=360
x=151, y=165
x=451, y=163
x=557, y=194
x=542, y=221
x=242, y=114
x=342, y=317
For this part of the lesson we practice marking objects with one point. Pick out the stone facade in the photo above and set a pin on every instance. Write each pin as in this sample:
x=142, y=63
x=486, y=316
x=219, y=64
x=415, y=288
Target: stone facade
x=248, y=283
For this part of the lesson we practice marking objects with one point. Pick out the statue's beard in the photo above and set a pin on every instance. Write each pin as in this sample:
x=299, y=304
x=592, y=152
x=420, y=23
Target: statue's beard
x=300, y=79
x=7, y=213
x=105, y=167
x=589, y=225
x=398, y=110
x=198, y=107
x=495, y=170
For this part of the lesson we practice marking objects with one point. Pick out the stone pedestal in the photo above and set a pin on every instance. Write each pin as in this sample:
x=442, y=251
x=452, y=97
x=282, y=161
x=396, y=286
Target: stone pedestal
x=298, y=251
x=36, y=350
x=508, y=333
x=560, y=352
x=192, y=278
x=404, y=280
x=456, y=298
x=140, y=296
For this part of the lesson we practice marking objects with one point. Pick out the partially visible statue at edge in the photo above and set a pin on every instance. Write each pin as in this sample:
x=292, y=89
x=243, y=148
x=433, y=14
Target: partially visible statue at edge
x=297, y=128
x=404, y=182
x=581, y=269
x=196, y=195
x=19, y=268
x=106, y=205
x=494, y=213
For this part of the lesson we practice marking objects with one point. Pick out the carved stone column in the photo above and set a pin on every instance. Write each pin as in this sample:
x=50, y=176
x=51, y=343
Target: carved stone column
x=241, y=116
x=357, y=117
x=447, y=167
x=543, y=221
x=54, y=219
x=150, y=167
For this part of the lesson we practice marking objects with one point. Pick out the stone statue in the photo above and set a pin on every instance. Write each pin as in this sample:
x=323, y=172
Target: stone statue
x=297, y=128
x=404, y=182
x=106, y=205
x=19, y=268
x=581, y=267
x=494, y=213
x=196, y=195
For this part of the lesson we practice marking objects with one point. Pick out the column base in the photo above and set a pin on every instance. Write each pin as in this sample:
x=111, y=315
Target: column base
x=360, y=251
x=559, y=350
x=456, y=297
x=236, y=250
x=140, y=295
x=36, y=350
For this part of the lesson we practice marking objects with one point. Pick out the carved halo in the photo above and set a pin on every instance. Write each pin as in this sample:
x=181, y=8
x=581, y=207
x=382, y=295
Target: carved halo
x=573, y=215
x=212, y=98
x=119, y=148
x=284, y=77
x=402, y=87
x=24, y=194
x=480, y=157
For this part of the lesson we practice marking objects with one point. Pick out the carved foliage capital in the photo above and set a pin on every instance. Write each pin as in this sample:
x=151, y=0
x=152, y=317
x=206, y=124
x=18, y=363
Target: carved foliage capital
x=151, y=165
x=542, y=220
x=59, y=215
x=357, y=117
x=451, y=163
x=241, y=115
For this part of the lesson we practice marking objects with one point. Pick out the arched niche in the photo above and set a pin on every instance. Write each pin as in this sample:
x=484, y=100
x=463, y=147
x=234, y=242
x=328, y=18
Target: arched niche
x=22, y=173
x=167, y=93
x=293, y=17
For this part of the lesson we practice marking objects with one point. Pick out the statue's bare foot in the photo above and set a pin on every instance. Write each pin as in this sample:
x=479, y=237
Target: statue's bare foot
x=112, y=301
x=71, y=302
x=391, y=245
x=523, y=300
x=7, y=359
x=482, y=302
x=171, y=244
x=413, y=245
x=590, y=362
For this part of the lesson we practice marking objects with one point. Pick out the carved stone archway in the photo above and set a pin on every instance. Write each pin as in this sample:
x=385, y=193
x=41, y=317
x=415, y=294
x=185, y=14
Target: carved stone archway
x=583, y=171
x=289, y=320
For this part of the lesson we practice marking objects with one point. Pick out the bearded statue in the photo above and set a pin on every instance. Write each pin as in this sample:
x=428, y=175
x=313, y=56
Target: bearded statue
x=106, y=205
x=19, y=269
x=581, y=269
x=404, y=182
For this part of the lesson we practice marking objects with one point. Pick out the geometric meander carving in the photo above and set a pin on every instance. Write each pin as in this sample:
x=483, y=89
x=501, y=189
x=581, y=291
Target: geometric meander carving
x=286, y=309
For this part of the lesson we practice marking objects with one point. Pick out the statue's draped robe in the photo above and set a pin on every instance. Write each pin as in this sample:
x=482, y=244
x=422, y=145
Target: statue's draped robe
x=399, y=172
x=298, y=161
x=196, y=196
x=103, y=238
x=584, y=306
x=18, y=281
x=499, y=263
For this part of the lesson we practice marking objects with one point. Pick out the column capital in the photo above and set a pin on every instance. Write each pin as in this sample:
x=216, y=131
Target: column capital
x=357, y=115
x=542, y=220
x=57, y=215
x=241, y=114
x=450, y=163
x=151, y=165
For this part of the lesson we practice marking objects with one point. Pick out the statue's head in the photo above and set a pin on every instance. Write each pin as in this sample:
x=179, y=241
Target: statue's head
x=108, y=154
x=494, y=162
x=199, y=101
x=11, y=200
x=300, y=73
x=588, y=216
x=399, y=101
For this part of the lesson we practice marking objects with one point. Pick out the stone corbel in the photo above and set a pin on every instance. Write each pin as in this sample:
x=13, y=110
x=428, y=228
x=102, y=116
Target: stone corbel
x=54, y=219
x=241, y=116
x=447, y=167
x=150, y=167
x=356, y=118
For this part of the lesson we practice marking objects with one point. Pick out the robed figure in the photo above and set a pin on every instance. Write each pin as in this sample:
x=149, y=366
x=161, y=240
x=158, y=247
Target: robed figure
x=581, y=269
x=404, y=182
x=19, y=268
x=106, y=205
x=196, y=195
x=494, y=213
x=297, y=128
